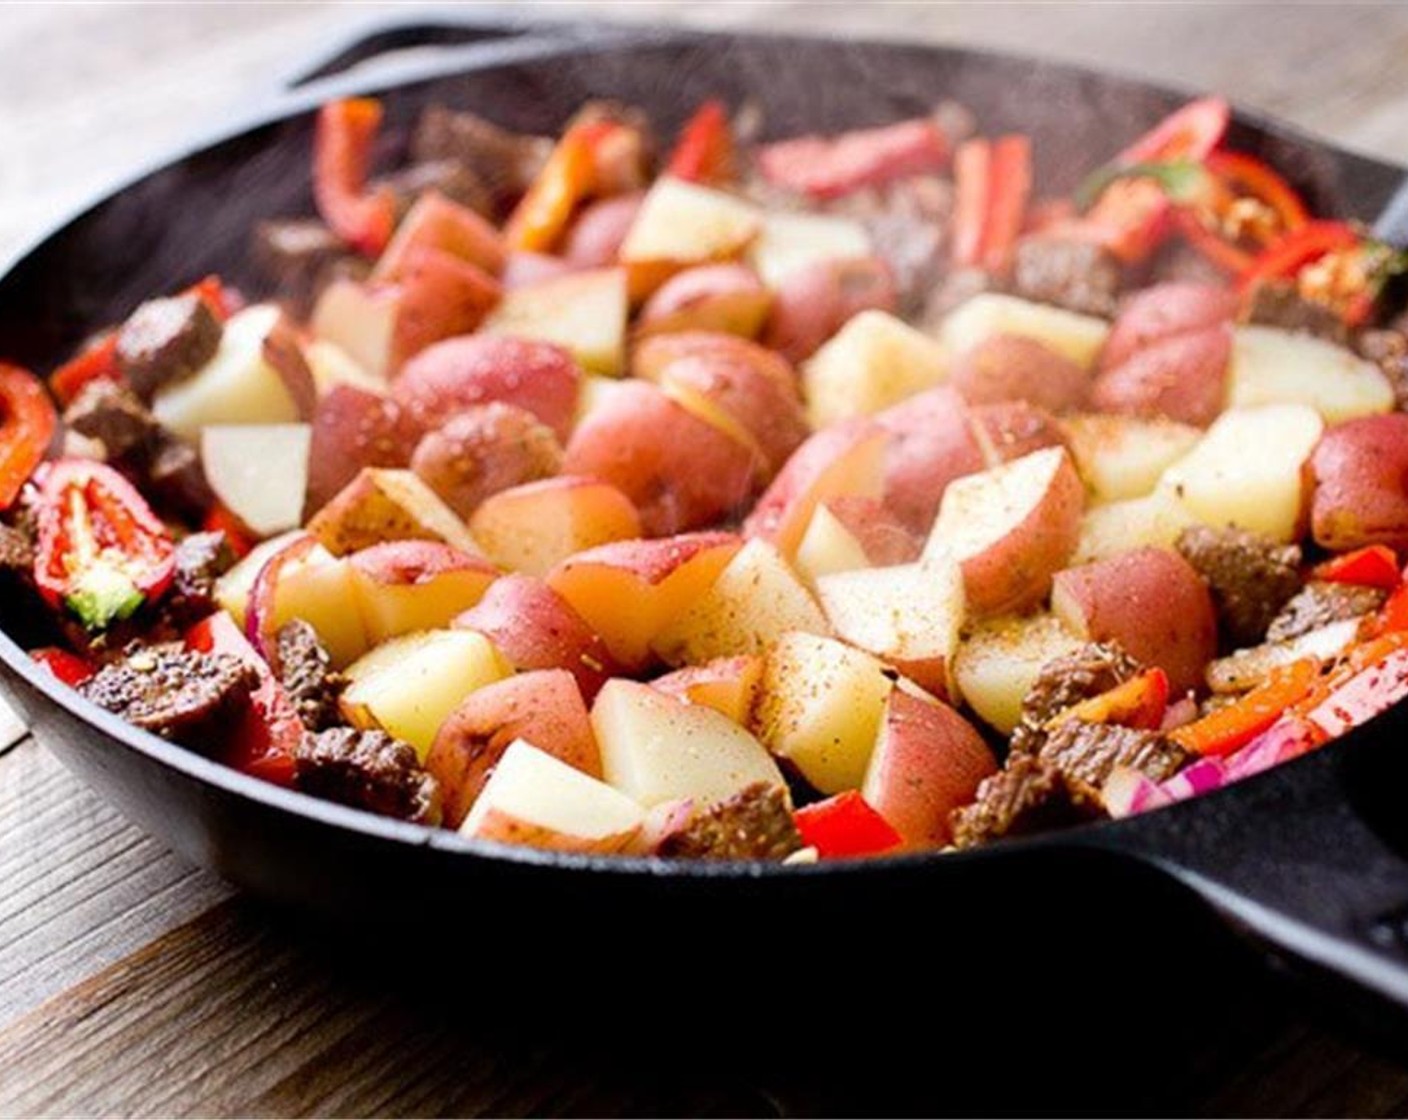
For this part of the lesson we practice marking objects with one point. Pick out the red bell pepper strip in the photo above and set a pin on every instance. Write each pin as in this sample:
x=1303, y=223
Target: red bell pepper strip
x=239, y=536
x=342, y=151
x=1287, y=255
x=214, y=295
x=1190, y=133
x=27, y=421
x=68, y=667
x=1393, y=615
x=704, y=152
x=1244, y=206
x=1222, y=731
x=994, y=182
x=827, y=167
x=566, y=179
x=267, y=738
x=1373, y=566
x=97, y=362
x=102, y=552
x=1139, y=702
x=845, y=825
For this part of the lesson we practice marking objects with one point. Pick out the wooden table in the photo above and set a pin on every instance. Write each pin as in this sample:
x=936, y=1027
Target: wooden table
x=132, y=984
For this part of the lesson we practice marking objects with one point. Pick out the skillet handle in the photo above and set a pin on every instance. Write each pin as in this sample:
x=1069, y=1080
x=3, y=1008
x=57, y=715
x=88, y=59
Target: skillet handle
x=1392, y=223
x=1311, y=859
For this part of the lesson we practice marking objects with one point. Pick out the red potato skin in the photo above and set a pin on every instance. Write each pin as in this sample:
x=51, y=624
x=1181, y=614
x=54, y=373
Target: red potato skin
x=652, y=561
x=1163, y=311
x=652, y=355
x=403, y=562
x=483, y=450
x=440, y=296
x=1010, y=367
x=714, y=297
x=681, y=472
x=459, y=373
x=536, y=628
x=1182, y=377
x=928, y=762
x=816, y=301
x=524, y=268
x=882, y=536
x=931, y=444
x=543, y=707
x=1013, y=429
x=354, y=428
x=1360, y=473
x=595, y=239
x=1149, y=600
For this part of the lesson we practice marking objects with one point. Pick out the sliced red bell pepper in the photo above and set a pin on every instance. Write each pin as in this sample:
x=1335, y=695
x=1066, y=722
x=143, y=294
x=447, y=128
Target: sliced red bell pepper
x=1243, y=207
x=1373, y=566
x=1131, y=218
x=213, y=293
x=566, y=179
x=267, y=738
x=239, y=536
x=1287, y=255
x=96, y=362
x=68, y=667
x=1139, y=702
x=1393, y=615
x=342, y=153
x=993, y=179
x=102, y=552
x=1221, y=732
x=27, y=421
x=704, y=152
x=827, y=167
x=1190, y=133
x=845, y=825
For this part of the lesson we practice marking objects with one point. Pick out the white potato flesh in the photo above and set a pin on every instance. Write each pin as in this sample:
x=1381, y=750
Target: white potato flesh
x=1153, y=521
x=687, y=223
x=584, y=313
x=1271, y=366
x=1077, y=337
x=872, y=362
x=359, y=321
x=788, y=242
x=979, y=510
x=997, y=664
x=1121, y=457
x=827, y=547
x=259, y=471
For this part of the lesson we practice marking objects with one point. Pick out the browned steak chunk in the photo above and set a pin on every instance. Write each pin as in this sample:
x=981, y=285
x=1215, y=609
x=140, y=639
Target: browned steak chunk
x=755, y=823
x=453, y=179
x=306, y=672
x=166, y=340
x=1276, y=304
x=1079, y=275
x=1085, y=753
x=177, y=693
x=368, y=770
x=1319, y=604
x=299, y=256
x=504, y=162
x=1251, y=578
x=907, y=221
x=1064, y=682
x=176, y=479
x=112, y=415
x=1028, y=796
x=1389, y=350
x=201, y=559
x=16, y=550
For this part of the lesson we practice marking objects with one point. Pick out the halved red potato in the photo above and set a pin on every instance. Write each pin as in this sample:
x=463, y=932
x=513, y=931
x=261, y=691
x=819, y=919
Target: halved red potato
x=460, y=373
x=1012, y=367
x=842, y=460
x=1123, y=457
x=1361, y=484
x=532, y=527
x=402, y=586
x=583, y=312
x=815, y=301
x=657, y=578
x=536, y=628
x=873, y=362
x=927, y=762
x=435, y=222
x=681, y=472
x=1013, y=429
x=1163, y=311
x=543, y=707
x=355, y=428
x=715, y=297
x=931, y=444
x=596, y=236
x=651, y=355
x=439, y=296
x=1011, y=528
x=1182, y=377
x=1152, y=602
x=387, y=505
x=882, y=536
x=524, y=268
x=727, y=684
x=683, y=224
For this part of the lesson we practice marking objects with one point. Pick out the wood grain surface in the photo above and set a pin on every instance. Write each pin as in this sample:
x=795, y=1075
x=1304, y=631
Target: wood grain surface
x=131, y=984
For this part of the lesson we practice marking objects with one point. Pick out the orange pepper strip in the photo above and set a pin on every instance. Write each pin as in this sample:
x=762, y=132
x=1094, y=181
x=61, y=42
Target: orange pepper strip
x=1223, y=731
x=1373, y=566
x=1139, y=702
x=543, y=213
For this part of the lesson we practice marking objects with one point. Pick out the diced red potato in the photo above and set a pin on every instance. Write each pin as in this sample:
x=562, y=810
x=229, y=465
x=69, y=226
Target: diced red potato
x=680, y=471
x=885, y=539
x=1011, y=528
x=1163, y=311
x=1182, y=377
x=726, y=684
x=536, y=628
x=1009, y=367
x=543, y=707
x=283, y=352
x=1361, y=484
x=595, y=239
x=524, y=268
x=927, y=762
x=354, y=428
x=1014, y=429
x=829, y=167
x=1149, y=600
x=405, y=586
x=437, y=223
x=532, y=527
x=931, y=443
x=714, y=297
x=482, y=450
x=815, y=301
x=460, y=373
x=440, y=296
x=652, y=355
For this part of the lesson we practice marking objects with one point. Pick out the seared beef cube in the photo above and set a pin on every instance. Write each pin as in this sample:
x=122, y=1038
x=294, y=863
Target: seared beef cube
x=306, y=672
x=505, y=162
x=1069, y=272
x=176, y=479
x=166, y=340
x=1085, y=753
x=299, y=256
x=367, y=770
x=1028, y=796
x=189, y=697
x=448, y=176
x=1064, y=682
x=201, y=559
x=956, y=289
x=754, y=823
x=1319, y=604
x=16, y=550
x=1251, y=578
x=1389, y=350
x=908, y=222
x=112, y=415
x=1278, y=304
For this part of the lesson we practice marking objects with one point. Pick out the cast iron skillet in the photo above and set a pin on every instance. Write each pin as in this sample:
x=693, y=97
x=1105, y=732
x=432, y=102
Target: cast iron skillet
x=1310, y=860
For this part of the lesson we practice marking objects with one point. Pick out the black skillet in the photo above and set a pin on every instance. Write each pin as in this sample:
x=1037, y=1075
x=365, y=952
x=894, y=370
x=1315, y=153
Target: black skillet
x=1310, y=861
